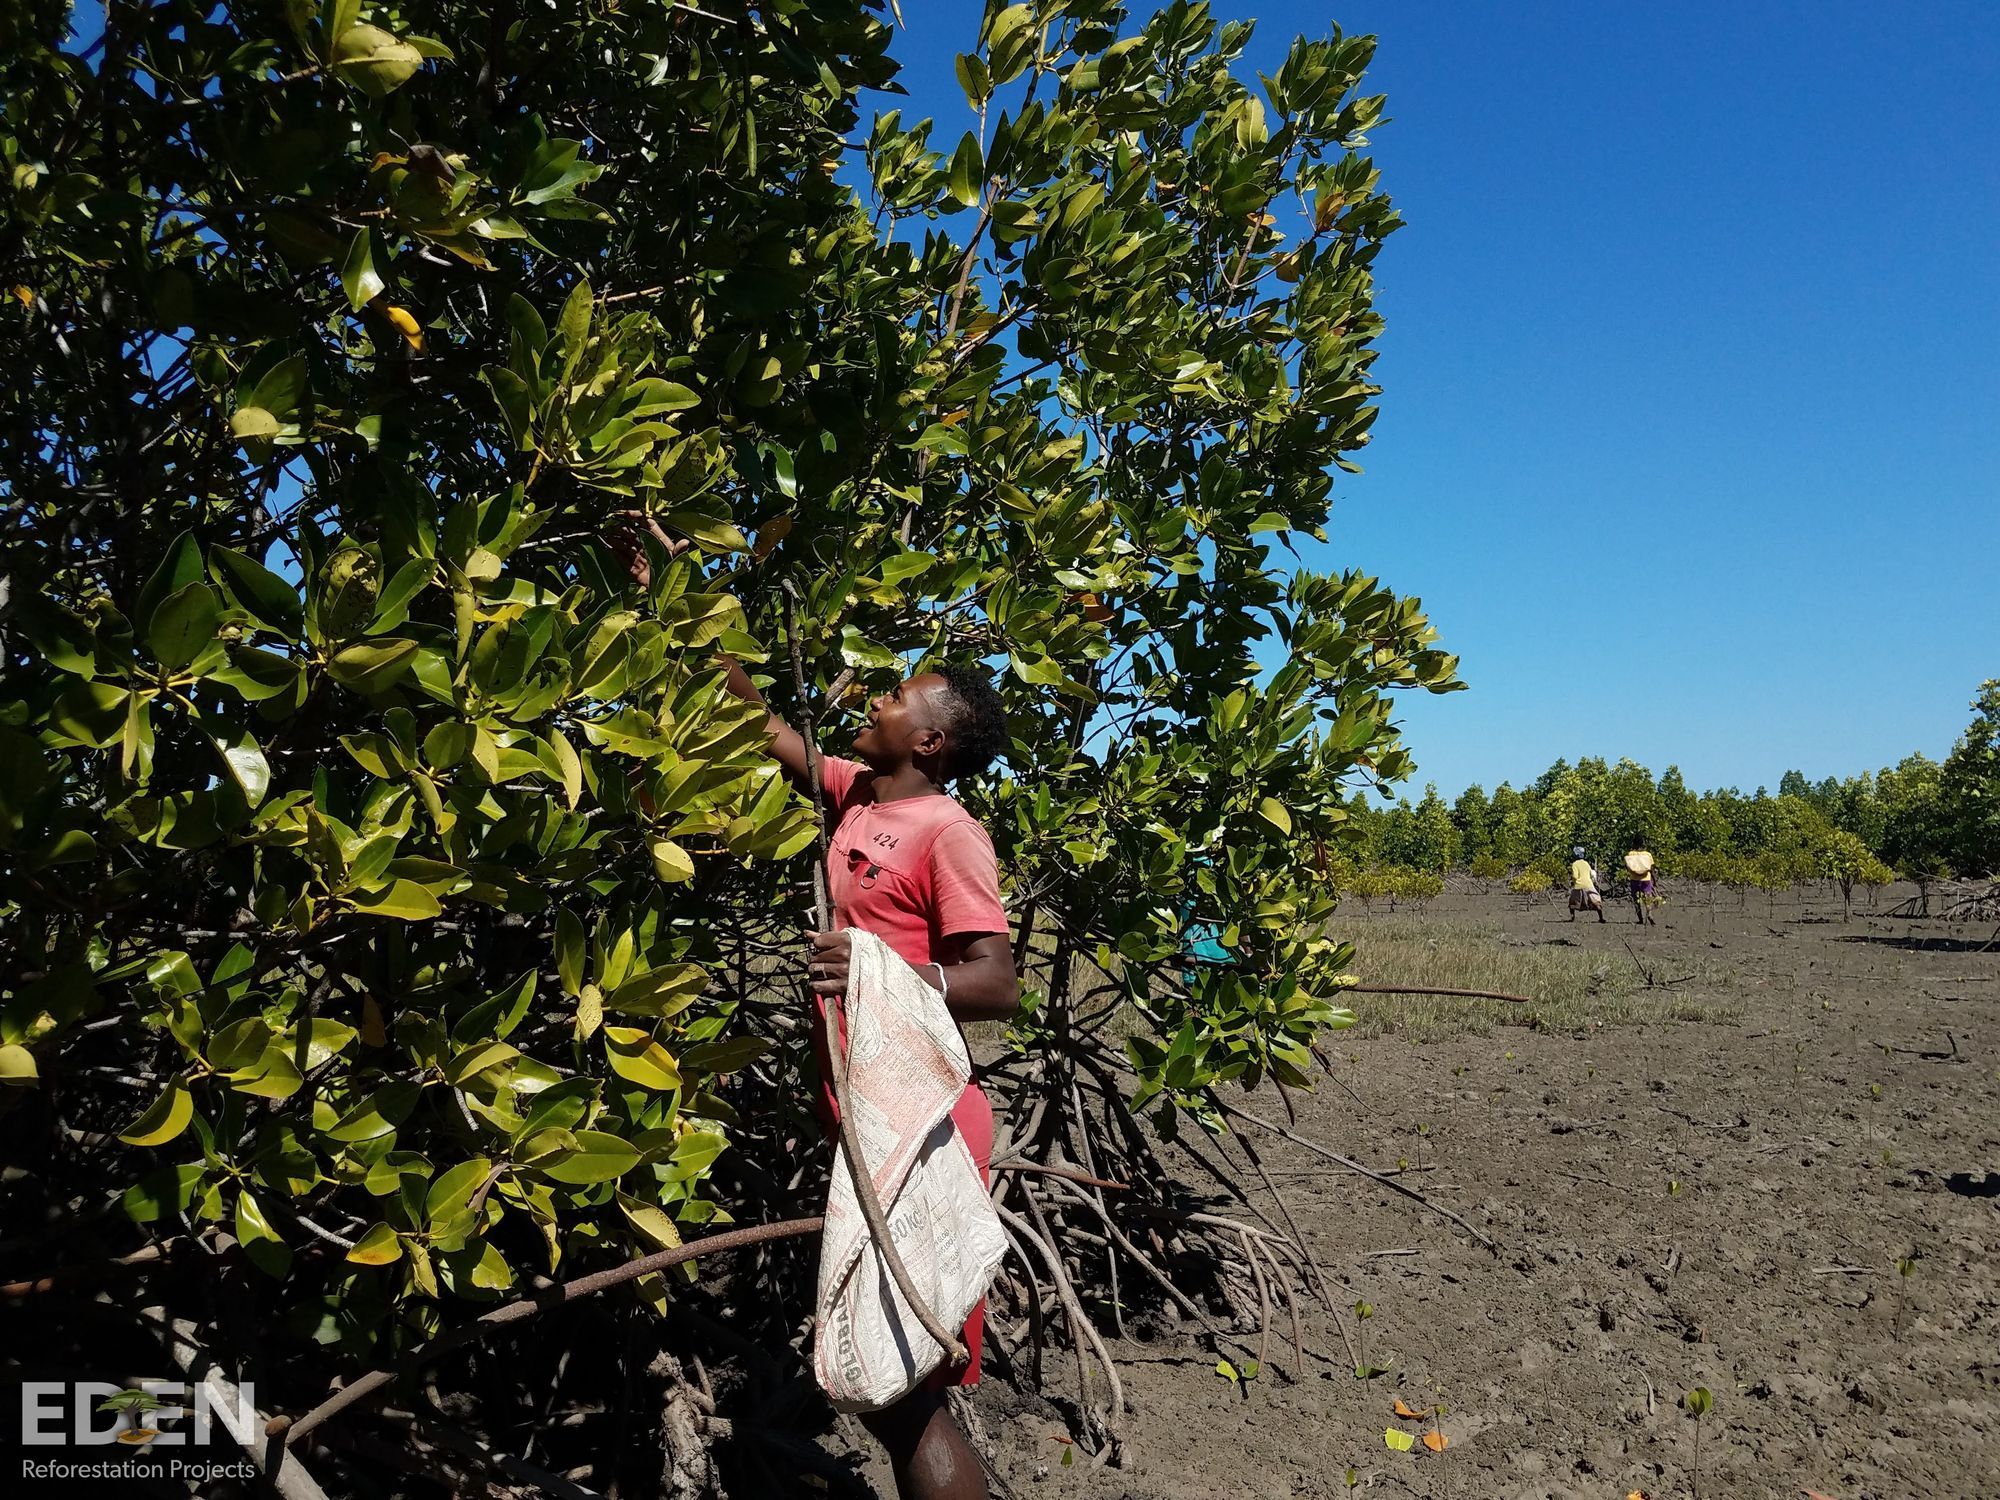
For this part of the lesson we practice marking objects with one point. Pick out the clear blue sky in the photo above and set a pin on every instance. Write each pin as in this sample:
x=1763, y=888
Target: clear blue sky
x=1690, y=436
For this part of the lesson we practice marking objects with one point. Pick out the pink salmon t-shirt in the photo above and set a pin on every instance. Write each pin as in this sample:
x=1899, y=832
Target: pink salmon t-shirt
x=914, y=872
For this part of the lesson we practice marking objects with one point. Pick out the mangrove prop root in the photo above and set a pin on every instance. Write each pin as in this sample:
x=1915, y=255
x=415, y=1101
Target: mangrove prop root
x=1041, y=1169
x=1263, y=1302
x=1081, y=1328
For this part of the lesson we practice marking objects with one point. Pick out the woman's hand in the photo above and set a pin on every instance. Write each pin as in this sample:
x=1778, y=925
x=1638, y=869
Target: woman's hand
x=828, y=967
x=983, y=985
x=630, y=546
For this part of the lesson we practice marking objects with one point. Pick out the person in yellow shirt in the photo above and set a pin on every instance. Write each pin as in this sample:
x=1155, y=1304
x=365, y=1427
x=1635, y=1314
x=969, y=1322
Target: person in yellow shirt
x=1583, y=892
x=1639, y=873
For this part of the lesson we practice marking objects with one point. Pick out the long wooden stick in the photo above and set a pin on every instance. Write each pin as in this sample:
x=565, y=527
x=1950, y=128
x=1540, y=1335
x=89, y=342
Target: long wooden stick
x=538, y=1303
x=1429, y=989
x=836, y=1054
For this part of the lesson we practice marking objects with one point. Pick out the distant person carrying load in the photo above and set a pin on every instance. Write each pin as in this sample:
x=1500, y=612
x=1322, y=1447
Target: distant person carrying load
x=1639, y=868
x=1583, y=892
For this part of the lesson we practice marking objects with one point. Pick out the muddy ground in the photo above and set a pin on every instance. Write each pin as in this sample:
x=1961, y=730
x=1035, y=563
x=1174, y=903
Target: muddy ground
x=1723, y=1204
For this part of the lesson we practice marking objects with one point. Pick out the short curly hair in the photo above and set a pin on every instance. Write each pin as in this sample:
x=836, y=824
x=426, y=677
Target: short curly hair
x=974, y=719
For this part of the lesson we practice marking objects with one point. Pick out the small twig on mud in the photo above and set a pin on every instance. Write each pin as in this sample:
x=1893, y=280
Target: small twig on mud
x=1385, y=1254
x=1777, y=1146
x=1931, y=1054
x=1843, y=1271
x=1741, y=1122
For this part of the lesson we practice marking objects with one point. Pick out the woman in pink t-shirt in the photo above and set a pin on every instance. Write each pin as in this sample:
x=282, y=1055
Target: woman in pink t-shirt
x=912, y=866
